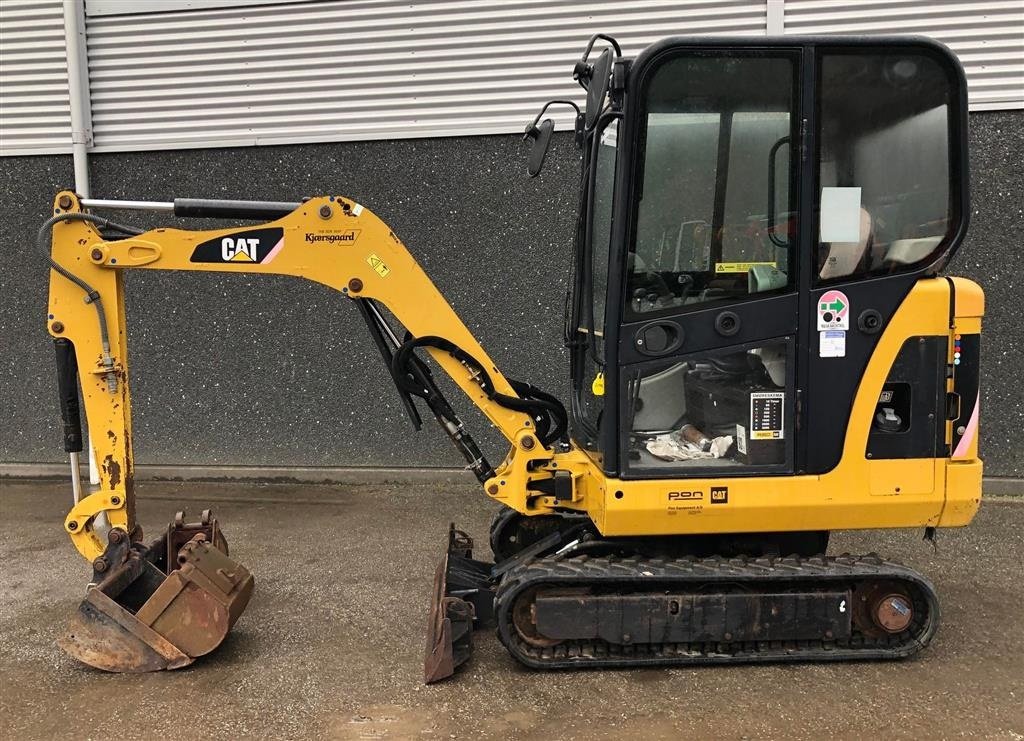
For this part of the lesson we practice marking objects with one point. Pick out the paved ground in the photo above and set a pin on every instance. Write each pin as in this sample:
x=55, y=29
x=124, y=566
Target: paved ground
x=332, y=643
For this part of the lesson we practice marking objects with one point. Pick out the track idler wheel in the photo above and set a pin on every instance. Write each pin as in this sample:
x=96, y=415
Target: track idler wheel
x=883, y=608
x=524, y=619
x=139, y=618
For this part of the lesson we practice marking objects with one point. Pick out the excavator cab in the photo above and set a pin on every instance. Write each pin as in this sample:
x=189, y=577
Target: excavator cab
x=755, y=214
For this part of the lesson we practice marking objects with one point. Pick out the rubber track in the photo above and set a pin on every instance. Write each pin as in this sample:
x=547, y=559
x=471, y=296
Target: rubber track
x=639, y=574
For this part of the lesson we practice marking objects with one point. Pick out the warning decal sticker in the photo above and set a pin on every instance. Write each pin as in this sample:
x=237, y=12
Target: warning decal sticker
x=738, y=267
x=378, y=265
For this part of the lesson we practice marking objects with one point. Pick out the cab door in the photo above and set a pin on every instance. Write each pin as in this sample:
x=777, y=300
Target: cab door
x=708, y=318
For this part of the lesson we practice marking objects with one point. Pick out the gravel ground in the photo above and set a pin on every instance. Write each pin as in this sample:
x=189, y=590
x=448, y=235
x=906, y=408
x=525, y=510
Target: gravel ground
x=332, y=643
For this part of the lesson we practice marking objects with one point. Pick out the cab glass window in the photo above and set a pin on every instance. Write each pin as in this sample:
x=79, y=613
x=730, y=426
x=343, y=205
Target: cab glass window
x=592, y=314
x=724, y=409
x=884, y=201
x=715, y=215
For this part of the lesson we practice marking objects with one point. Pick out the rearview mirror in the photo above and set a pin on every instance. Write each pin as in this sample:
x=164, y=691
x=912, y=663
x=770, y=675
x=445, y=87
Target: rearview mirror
x=541, y=136
x=597, y=88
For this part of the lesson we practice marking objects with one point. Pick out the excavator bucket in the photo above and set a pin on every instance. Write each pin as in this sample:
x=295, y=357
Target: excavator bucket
x=160, y=607
x=462, y=599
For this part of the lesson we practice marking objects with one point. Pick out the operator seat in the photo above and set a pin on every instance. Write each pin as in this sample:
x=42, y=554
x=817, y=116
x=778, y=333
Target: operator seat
x=848, y=258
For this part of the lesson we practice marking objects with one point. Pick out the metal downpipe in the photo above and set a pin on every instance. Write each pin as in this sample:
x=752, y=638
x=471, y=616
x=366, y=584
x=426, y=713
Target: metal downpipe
x=81, y=137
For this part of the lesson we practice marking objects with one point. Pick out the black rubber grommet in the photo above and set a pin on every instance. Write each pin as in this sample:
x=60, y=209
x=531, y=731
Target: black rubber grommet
x=727, y=323
x=869, y=321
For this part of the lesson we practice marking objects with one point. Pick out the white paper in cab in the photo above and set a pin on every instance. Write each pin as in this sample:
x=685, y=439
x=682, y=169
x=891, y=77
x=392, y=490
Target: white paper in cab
x=840, y=215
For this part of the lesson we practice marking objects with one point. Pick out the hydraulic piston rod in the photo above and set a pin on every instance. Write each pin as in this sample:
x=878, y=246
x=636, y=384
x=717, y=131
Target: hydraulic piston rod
x=202, y=208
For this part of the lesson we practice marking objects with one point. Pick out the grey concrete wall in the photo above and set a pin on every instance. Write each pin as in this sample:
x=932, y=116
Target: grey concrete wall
x=252, y=370
x=993, y=255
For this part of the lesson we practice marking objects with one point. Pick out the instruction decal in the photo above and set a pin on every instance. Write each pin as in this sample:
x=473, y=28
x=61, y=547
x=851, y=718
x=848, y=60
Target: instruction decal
x=378, y=265
x=250, y=246
x=766, y=415
x=833, y=311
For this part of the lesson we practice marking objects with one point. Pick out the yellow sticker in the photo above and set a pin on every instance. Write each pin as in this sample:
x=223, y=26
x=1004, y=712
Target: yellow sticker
x=377, y=264
x=738, y=267
x=597, y=387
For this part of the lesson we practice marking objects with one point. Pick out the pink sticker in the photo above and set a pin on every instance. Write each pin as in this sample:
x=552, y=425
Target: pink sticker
x=833, y=311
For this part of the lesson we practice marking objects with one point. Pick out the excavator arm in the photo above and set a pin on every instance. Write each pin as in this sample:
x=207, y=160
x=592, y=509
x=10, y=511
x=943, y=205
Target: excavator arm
x=330, y=240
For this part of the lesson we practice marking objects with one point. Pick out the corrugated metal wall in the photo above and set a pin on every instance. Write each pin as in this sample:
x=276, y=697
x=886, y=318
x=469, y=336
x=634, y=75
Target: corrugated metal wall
x=35, y=116
x=360, y=69
x=337, y=70
x=987, y=35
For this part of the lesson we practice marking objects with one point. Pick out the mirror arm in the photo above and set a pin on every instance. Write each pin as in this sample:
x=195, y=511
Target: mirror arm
x=582, y=72
x=593, y=40
x=531, y=128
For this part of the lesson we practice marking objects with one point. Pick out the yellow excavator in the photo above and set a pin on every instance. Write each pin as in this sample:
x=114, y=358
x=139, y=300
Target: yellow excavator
x=761, y=350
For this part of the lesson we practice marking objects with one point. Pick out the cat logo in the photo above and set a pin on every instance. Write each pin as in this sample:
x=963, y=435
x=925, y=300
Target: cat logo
x=719, y=494
x=238, y=250
x=249, y=246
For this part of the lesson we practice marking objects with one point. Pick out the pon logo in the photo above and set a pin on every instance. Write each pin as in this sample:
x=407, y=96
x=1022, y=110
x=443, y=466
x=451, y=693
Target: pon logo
x=250, y=246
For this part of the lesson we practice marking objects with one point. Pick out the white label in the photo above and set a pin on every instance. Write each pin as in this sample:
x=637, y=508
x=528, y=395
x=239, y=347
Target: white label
x=741, y=439
x=832, y=343
x=767, y=414
x=840, y=215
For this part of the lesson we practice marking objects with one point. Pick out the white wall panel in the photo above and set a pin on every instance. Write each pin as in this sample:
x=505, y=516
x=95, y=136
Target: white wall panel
x=220, y=72
x=35, y=117
x=987, y=35
x=135, y=7
x=360, y=69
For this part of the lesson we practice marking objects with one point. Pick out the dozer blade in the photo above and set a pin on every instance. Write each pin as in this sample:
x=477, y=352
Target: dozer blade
x=138, y=619
x=462, y=599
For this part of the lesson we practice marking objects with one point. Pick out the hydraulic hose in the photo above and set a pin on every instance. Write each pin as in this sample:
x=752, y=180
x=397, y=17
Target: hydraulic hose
x=541, y=404
x=92, y=296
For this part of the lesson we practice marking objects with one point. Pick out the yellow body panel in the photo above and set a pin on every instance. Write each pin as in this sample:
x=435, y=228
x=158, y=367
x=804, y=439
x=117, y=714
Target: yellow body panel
x=857, y=494
x=370, y=262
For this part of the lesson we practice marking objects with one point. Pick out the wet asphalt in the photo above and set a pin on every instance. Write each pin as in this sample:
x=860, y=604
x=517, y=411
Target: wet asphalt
x=332, y=643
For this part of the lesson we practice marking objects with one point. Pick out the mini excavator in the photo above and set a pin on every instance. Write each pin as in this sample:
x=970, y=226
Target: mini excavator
x=762, y=350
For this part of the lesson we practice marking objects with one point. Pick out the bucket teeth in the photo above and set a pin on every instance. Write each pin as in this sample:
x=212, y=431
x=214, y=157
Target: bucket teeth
x=139, y=619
